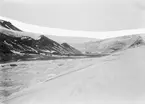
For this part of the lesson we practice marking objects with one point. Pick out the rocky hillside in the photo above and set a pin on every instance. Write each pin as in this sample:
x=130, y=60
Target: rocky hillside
x=13, y=41
x=108, y=46
x=71, y=49
x=111, y=45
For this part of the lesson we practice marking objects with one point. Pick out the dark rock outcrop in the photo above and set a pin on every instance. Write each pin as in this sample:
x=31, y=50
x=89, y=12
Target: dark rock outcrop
x=8, y=25
x=71, y=49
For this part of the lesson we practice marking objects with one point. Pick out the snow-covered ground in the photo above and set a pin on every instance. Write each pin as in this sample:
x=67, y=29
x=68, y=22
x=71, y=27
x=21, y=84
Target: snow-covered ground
x=115, y=79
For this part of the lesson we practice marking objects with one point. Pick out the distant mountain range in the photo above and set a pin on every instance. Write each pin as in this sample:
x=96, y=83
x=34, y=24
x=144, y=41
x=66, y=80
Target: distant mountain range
x=16, y=44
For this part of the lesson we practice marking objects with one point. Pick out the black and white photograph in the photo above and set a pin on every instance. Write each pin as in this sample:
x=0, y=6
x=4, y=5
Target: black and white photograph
x=72, y=51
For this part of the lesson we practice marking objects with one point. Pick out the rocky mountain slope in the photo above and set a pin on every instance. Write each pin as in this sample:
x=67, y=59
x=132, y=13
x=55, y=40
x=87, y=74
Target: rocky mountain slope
x=13, y=41
x=71, y=49
x=8, y=25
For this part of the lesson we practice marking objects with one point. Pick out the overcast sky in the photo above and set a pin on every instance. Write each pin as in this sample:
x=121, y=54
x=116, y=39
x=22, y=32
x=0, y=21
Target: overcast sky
x=86, y=15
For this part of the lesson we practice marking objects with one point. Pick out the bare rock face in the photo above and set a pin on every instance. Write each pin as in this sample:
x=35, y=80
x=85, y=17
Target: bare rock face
x=71, y=49
x=8, y=25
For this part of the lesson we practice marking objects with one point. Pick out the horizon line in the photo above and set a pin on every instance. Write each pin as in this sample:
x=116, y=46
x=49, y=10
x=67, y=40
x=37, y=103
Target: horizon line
x=72, y=33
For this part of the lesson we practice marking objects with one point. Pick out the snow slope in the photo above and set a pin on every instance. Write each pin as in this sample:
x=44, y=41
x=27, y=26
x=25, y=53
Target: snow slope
x=115, y=79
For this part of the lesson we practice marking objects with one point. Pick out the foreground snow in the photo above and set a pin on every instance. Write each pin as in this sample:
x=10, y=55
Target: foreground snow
x=115, y=79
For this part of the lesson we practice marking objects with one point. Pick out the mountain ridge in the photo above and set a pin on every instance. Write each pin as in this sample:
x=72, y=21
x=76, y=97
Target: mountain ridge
x=20, y=44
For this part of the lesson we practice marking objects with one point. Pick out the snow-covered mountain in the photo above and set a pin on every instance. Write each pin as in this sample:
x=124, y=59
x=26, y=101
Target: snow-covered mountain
x=108, y=46
x=15, y=42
